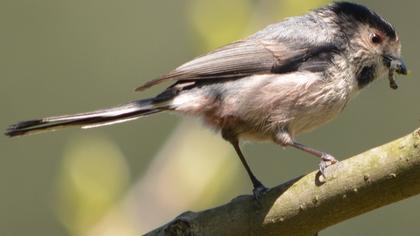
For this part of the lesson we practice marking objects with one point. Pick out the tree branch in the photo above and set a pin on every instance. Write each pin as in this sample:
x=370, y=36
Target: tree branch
x=308, y=204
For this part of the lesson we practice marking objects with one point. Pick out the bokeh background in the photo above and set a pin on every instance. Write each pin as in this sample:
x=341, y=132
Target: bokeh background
x=61, y=56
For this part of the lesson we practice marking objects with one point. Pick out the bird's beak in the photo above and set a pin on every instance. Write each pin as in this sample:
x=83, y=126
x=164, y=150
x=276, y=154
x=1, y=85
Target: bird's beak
x=395, y=64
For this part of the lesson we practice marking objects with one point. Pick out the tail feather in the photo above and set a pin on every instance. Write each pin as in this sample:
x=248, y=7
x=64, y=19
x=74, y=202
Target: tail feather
x=119, y=114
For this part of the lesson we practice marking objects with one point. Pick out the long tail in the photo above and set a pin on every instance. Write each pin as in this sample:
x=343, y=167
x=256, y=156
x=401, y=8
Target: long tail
x=119, y=114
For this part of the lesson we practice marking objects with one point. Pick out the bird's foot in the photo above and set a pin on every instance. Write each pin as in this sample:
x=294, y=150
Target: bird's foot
x=326, y=161
x=259, y=191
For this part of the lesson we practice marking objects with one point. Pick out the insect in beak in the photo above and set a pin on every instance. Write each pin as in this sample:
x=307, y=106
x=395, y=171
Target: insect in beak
x=395, y=65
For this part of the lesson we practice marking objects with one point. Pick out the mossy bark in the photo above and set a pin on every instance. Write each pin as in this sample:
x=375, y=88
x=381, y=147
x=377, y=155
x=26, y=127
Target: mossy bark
x=308, y=204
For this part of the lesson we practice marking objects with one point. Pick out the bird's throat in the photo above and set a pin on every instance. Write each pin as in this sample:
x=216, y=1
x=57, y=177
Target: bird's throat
x=365, y=76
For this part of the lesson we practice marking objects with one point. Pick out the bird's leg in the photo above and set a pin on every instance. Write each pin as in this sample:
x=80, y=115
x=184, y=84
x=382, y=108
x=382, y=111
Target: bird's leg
x=284, y=138
x=259, y=188
x=326, y=159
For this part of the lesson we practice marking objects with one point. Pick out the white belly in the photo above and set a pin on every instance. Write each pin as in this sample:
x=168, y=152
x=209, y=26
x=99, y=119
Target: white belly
x=258, y=106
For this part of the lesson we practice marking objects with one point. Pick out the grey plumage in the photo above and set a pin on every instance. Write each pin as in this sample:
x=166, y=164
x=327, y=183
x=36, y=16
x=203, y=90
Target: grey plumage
x=288, y=78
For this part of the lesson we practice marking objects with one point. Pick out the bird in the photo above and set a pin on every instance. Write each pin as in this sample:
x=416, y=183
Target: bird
x=284, y=80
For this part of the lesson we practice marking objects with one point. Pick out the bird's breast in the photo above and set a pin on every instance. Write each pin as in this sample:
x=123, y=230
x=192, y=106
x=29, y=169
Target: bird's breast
x=321, y=102
x=258, y=106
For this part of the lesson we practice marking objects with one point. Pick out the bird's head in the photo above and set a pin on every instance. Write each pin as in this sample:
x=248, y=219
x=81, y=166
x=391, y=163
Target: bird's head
x=373, y=46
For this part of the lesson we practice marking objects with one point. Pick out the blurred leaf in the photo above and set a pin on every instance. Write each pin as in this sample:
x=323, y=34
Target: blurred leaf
x=219, y=21
x=92, y=177
x=191, y=171
x=298, y=7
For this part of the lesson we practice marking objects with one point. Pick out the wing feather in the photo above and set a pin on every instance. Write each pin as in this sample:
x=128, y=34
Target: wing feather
x=244, y=58
x=232, y=61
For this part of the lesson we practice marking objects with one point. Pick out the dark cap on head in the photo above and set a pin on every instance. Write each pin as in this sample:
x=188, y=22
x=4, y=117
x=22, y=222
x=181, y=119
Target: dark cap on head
x=363, y=15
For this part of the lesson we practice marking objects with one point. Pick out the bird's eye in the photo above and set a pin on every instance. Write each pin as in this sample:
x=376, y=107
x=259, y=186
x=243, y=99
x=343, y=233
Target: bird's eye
x=375, y=38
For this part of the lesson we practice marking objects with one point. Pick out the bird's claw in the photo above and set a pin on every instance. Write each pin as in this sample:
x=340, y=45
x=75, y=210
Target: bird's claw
x=326, y=161
x=259, y=192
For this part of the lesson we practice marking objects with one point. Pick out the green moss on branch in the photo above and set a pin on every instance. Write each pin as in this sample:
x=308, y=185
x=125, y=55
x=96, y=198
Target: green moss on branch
x=306, y=205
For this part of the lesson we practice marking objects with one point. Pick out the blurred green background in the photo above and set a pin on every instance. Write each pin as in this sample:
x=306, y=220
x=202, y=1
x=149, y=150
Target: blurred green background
x=72, y=56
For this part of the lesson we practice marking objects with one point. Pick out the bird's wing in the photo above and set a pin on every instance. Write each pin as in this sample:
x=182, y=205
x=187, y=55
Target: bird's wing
x=247, y=57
